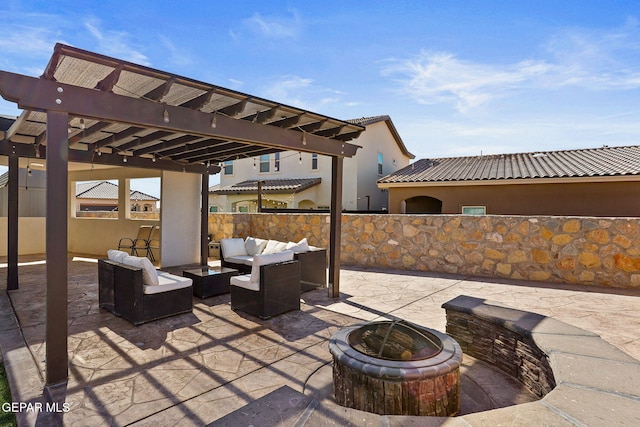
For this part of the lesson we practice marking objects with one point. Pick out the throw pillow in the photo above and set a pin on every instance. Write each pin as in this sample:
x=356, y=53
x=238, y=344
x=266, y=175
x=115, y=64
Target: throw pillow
x=254, y=246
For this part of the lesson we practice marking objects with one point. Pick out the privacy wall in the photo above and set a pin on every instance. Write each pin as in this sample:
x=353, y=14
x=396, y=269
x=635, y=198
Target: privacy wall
x=586, y=250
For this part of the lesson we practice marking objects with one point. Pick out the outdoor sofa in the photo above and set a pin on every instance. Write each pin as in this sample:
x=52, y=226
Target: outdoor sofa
x=271, y=288
x=238, y=253
x=132, y=288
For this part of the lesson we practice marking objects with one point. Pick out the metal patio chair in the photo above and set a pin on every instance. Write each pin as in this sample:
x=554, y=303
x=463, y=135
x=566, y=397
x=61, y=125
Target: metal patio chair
x=140, y=244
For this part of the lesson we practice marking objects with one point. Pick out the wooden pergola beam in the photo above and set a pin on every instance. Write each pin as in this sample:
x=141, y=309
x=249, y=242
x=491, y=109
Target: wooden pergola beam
x=45, y=95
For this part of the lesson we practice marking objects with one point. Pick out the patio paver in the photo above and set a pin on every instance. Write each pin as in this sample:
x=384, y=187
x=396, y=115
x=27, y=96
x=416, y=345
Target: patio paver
x=194, y=369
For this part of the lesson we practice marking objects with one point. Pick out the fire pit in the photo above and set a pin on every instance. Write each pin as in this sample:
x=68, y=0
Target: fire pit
x=396, y=368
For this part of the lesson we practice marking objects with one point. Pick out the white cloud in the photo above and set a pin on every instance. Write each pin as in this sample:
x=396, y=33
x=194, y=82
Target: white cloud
x=577, y=58
x=275, y=27
x=114, y=43
x=303, y=93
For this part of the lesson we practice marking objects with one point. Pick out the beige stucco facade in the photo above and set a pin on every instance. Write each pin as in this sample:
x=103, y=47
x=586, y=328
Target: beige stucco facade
x=359, y=179
x=609, y=196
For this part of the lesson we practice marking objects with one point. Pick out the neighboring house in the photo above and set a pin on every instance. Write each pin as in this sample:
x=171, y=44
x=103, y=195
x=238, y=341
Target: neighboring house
x=303, y=181
x=103, y=196
x=587, y=182
x=31, y=193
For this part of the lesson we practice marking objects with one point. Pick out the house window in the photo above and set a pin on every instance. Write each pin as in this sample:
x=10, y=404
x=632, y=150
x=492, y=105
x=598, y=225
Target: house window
x=379, y=163
x=228, y=167
x=276, y=162
x=474, y=210
x=314, y=162
x=264, y=163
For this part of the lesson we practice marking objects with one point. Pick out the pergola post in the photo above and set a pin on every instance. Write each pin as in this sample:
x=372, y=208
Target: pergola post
x=336, y=226
x=204, y=221
x=12, y=224
x=57, y=362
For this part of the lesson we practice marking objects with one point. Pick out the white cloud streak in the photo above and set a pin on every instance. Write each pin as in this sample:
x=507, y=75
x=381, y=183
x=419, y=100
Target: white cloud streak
x=114, y=43
x=275, y=27
x=577, y=58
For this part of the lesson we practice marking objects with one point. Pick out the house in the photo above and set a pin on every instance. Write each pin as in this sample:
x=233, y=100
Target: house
x=103, y=196
x=587, y=182
x=295, y=180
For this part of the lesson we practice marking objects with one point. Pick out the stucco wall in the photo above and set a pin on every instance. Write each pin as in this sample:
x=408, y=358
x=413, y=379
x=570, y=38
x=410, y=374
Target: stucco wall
x=579, y=198
x=587, y=250
x=31, y=235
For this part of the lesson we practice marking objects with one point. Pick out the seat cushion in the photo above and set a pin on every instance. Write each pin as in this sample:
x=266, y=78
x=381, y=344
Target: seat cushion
x=149, y=272
x=244, y=281
x=116, y=255
x=167, y=282
x=254, y=246
x=274, y=246
x=232, y=247
x=263, y=259
x=240, y=259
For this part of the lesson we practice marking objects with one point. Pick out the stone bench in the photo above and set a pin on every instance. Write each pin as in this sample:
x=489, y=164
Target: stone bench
x=581, y=379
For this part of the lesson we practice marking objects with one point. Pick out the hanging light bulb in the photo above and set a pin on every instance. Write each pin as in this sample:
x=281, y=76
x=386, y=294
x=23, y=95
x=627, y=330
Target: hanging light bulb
x=165, y=115
x=300, y=158
x=214, y=121
x=254, y=162
x=82, y=125
x=124, y=159
x=153, y=159
x=304, y=138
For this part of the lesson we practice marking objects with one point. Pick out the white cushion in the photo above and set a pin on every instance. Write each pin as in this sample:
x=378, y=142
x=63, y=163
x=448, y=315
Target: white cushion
x=254, y=246
x=167, y=282
x=303, y=245
x=232, y=247
x=116, y=255
x=274, y=246
x=240, y=259
x=244, y=281
x=149, y=272
x=264, y=259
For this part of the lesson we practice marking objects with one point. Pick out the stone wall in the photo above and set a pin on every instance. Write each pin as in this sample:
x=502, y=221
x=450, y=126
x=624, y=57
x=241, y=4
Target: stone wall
x=587, y=250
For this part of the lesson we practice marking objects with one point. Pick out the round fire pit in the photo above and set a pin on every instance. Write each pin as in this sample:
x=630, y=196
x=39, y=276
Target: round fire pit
x=396, y=368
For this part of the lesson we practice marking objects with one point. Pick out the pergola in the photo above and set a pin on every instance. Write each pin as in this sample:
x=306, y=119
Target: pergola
x=93, y=109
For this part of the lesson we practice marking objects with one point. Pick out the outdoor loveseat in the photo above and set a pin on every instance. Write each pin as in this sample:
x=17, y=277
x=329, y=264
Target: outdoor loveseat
x=272, y=287
x=238, y=253
x=131, y=287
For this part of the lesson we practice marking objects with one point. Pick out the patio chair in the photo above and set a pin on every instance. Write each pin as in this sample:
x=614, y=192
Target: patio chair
x=153, y=243
x=140, y=244
x=272, y=288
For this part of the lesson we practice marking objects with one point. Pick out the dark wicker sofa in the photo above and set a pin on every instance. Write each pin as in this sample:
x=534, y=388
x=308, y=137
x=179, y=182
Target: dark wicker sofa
x=313, y=267
x=121, y=291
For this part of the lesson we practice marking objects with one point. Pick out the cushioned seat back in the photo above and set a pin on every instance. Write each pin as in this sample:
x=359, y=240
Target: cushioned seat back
x=232, y=247
x=265, y=259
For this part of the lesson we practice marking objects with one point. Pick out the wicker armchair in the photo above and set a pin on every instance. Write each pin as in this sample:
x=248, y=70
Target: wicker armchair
x=122, y=292
x=276, y=290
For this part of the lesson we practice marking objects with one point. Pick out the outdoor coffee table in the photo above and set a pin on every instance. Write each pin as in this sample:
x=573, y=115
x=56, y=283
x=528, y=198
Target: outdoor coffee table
x=210, y=281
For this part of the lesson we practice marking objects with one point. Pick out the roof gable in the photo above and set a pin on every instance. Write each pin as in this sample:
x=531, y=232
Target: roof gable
x=365, y=121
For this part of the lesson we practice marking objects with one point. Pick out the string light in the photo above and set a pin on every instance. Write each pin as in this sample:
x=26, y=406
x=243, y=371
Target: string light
x=300, y=158
x=82, y=125
x=165, y=115
x=214, y=121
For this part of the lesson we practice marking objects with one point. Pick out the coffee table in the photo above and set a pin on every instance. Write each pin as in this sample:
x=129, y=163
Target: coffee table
x=210, y=281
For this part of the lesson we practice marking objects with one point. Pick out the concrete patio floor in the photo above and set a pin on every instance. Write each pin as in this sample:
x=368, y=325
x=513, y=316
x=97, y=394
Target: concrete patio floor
x=194, y=369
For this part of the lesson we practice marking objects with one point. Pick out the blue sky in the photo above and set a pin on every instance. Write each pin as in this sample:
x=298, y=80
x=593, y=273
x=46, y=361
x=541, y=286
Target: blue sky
x=456, y=77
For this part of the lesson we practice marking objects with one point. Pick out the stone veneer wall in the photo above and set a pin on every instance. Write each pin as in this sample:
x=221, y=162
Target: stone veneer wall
x=587, y=250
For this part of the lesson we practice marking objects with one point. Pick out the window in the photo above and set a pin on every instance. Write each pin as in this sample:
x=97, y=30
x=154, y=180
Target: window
x=276, y=162
x=228, y=167
x=474, y=210
x=379, y=163
x=314, y=162
x=264, y=163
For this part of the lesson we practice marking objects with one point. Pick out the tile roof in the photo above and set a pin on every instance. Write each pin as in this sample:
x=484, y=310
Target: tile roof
x=365, y=121
x=272, y=186
x=589, y=162
x=106, y=190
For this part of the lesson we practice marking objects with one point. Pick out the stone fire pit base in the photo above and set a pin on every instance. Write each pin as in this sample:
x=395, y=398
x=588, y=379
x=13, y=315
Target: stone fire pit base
x=387, y=387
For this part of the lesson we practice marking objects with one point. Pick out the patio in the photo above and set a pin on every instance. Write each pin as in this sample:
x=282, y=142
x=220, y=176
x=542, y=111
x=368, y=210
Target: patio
x=197, y=368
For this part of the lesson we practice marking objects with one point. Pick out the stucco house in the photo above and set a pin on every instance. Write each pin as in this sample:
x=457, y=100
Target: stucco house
x=293, y=180
x=587, y=182
x=103, y=196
